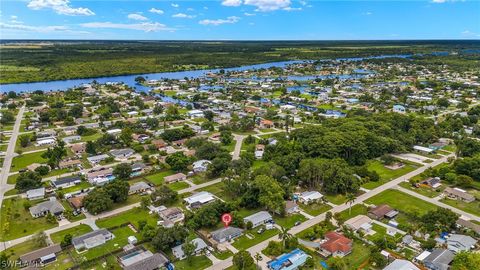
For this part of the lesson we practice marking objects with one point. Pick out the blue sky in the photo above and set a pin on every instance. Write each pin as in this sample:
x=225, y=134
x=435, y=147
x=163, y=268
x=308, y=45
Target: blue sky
x=240, y=19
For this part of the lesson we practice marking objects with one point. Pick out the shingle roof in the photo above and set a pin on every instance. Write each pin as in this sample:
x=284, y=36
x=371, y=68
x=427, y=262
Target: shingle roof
x=37, y=254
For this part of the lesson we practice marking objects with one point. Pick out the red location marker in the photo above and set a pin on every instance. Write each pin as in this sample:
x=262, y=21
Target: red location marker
x=226, y=219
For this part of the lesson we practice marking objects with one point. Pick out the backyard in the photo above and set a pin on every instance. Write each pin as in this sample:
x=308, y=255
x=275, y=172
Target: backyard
x=22, y=161
x=386, y=174
x=74, y=232
x=244, y=242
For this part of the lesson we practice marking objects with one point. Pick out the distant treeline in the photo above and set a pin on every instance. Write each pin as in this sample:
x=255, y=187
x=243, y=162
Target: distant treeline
x=30, y=61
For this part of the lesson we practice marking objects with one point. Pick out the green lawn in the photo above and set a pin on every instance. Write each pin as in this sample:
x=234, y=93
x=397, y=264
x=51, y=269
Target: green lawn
x=74, y=232
x=63, y=262
x=243, y=242
x=402, y=201
x=229, y=147
x=222, y=255
x=178, y=185
x=82, y=185
x=217, y=190
x=472, y=208
x=315, y=209
x=131, y=216
x=357, y=209
x=12, y=179
x=16, y=221
x=92, y=137
x=289, y=221
x=360, y=253
x=22, y=161
x=196, y=263
x=386, y=174
x=339, y=198
x=157, y=178
x=18, y=250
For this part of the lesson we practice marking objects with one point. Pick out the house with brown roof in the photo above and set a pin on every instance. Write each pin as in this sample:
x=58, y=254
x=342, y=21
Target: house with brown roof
x=78, y=148
x=77, y=202
x=458, y=194
x=382, y=211
x=72, y=163
x=336, y=245
x=41, y=256
x=264, y=123
x=175, y=178
x=159, y=143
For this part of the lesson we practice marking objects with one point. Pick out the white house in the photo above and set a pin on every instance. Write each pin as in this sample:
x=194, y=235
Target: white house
x=258, y=218
x=201, y=165
x=308, y=197
x=199, y=199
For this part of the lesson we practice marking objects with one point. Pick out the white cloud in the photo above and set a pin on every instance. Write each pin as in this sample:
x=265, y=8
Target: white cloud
x=183, y=15
x=231, y=19
x=40, y=29
x=157, y=11
x=60, y=7
x=137, y=17
x=292, y=9
x=368, y=13
x=268, y=5
x=146, y=26
x=13, y=17
x=468, y=33
x=231, y=3
x=439, y=1
x=249, y=14
x=175, y=5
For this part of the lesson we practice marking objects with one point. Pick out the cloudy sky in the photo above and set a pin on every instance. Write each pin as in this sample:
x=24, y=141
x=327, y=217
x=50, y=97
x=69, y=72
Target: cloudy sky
x=240, y=19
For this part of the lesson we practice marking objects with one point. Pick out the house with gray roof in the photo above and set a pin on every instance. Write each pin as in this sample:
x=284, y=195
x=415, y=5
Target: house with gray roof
x=138, y=187
x=51, y=206
x=460, y=242
x=226, y=234
x=399, y=264
x=96, y=159
x=121, y=153
x=439, y=259
x=200, y=245
x=35, y=194
x=44, y=255
x=92, y=239
x=142, y=259
x=67, y=181
x=258, y=218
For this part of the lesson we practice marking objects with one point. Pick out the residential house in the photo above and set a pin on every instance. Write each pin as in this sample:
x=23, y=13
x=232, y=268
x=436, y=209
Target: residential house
x=92, y=239
x=121, y=153
x=336, y=245
x=289, y=261
x=258, y=218
x=469, y=225
x=94, y=160
x=173, y=214
x=35, y=194
x=77, y=202
x=45, y=142
x=308, y=197
x=51, y=206
x=138, y=187
x=174, y=178
x=41, y=256
x=433, y=182
x=458, y=194
x=140, y=258
x=423, y=150
x=67, y=181
x=198, y=199
x=200, y=246
x=439, y=259
x=360, y=223
x=382, y=211
x=78, y=148
x=100, y=176
x=226, y=234
x=71, y=163
x=71, y=139
x=291, y=207
x=460, y=242
x=137, y=169
x=201, y=165
x=159, y=144
x=399, y=109
x=400, y=264
x=264, y=123
x=195, y=114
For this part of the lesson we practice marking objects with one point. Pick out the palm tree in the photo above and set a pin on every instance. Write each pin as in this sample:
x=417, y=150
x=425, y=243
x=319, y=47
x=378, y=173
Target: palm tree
x=258, y=257
x=284, y=235
x=350, y=200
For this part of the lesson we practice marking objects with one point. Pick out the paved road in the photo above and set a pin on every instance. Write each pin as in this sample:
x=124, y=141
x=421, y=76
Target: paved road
x=238, y=146
x=339, y=208
x=10, y=153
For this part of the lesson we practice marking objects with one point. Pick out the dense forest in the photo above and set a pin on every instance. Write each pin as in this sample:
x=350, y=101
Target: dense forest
x=30, y=61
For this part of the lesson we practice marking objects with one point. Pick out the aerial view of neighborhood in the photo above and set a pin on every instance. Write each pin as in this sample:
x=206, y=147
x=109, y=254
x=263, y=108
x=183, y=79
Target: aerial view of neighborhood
x=278, y=155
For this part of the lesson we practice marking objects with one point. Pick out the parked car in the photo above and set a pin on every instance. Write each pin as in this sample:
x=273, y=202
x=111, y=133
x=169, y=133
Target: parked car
x=261, y=230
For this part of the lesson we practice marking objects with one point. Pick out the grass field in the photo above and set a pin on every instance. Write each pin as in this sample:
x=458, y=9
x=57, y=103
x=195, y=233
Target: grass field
x=75, y=231
x=22, y=161
x=217, y=190
x=425, y=191
x=18, y=250
x=243, y=242
x=131, y=216
x=178, y=185
x=472, y=208
x=196, y=263
x=289, y=221
x=315, y=209
x=386, y=174
x=16, y=221
x=402, y=201
x=357, y=209
x=157, y=178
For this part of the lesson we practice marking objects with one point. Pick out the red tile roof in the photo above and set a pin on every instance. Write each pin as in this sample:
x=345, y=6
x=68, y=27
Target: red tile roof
x=336, y=242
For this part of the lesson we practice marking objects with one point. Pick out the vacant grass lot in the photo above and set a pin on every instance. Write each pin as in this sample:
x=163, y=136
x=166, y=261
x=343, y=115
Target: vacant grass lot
x=74, y=232
x=131, y=216
x=289, y=221
x=16, y=220
x=243, y=242
x=196, y=263
x=217, y=190
x=357, y=209
x=22, y=161
x=178, y=185
x=315, y=209
x=18, y=250
x=386, y=174
x=472, y=208
x=402, y=202
x=425, y=191
x=157, y=178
